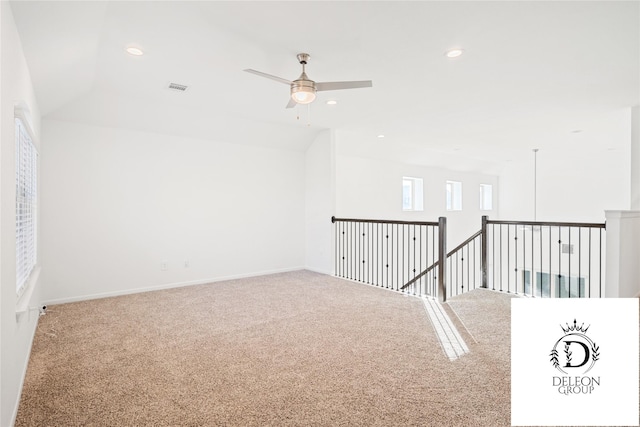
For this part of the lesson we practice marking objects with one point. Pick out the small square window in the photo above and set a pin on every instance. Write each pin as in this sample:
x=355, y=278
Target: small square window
x=412, y=194
x=486, y=197
x=454, y=196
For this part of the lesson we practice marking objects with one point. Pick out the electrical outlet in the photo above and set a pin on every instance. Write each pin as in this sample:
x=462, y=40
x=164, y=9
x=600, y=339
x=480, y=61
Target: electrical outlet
x=164, y=266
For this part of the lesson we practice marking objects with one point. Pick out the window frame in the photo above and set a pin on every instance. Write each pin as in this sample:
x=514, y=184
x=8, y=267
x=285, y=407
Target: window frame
x=450, y=196
x=483, y=197
x=416, y=201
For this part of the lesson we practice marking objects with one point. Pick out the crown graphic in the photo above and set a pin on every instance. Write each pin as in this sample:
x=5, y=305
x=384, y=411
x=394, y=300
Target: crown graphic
x=575, y=327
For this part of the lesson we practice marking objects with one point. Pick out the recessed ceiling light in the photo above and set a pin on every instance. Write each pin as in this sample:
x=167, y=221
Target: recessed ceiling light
x=381, y=136
x=332, y=102
x=454, y=53
x=134, y=51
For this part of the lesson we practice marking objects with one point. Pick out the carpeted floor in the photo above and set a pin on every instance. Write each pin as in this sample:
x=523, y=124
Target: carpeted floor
x=292, y=349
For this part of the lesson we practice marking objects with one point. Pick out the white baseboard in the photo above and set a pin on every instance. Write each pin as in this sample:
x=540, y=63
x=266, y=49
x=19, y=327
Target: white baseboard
x=167, y=286
x=317, y=270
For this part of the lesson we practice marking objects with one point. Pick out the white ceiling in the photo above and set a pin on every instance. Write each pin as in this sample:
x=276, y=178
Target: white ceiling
x=531, y=72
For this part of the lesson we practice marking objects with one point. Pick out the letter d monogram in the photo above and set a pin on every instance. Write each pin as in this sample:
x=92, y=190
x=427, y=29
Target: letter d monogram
x=586, y=355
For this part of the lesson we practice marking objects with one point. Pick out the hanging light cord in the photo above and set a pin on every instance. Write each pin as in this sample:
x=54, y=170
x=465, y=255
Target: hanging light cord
x=535, y=183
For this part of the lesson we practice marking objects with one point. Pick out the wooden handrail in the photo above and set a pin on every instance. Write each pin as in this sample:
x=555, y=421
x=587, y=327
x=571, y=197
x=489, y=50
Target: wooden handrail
x=435, y=264
x=551, y=224
x=415, y=279
x=383, y=221
x=457, y=248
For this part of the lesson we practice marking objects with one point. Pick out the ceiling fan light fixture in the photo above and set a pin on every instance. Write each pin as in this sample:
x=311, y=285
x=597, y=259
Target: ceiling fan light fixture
x=303, y=97
x=303, y=92
x=303, y=89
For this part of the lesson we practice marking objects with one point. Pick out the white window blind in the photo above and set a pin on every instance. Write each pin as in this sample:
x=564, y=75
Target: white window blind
x=26, y=205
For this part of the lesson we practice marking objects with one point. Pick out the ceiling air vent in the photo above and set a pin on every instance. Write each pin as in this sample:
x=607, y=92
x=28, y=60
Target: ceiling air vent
x=177, y=87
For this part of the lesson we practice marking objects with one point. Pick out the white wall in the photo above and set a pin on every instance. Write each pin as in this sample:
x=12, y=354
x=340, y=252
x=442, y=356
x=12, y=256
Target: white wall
x=117, y=203
x=320, y=202
x=635, y=158
x=623, y=248
x=574, y=183
x=16, y=331
x=372, y=189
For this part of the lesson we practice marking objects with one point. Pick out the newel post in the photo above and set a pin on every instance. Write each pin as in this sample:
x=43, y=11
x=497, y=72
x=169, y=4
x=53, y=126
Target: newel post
x=483, y=252
x=442, y=258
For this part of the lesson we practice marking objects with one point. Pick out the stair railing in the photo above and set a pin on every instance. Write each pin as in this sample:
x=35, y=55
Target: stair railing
x=392, y=254
x=543, y=259
x=529, y=258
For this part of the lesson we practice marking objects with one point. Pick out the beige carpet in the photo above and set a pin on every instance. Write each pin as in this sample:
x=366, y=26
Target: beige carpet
x=294, y=349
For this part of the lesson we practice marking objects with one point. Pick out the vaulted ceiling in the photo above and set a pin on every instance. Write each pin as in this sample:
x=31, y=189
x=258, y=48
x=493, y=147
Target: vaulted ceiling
x=532, y=74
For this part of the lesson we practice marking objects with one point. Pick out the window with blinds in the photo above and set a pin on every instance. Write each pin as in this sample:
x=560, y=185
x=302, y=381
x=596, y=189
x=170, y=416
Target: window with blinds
x=26, y=205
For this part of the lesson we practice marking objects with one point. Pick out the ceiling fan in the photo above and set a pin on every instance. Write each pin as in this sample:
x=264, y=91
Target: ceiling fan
x=303, y=89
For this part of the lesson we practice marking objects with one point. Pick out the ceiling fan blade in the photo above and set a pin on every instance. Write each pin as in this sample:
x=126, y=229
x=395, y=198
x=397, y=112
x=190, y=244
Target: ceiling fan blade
x=343, y=85
x=291, y=103
x=269, y=76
